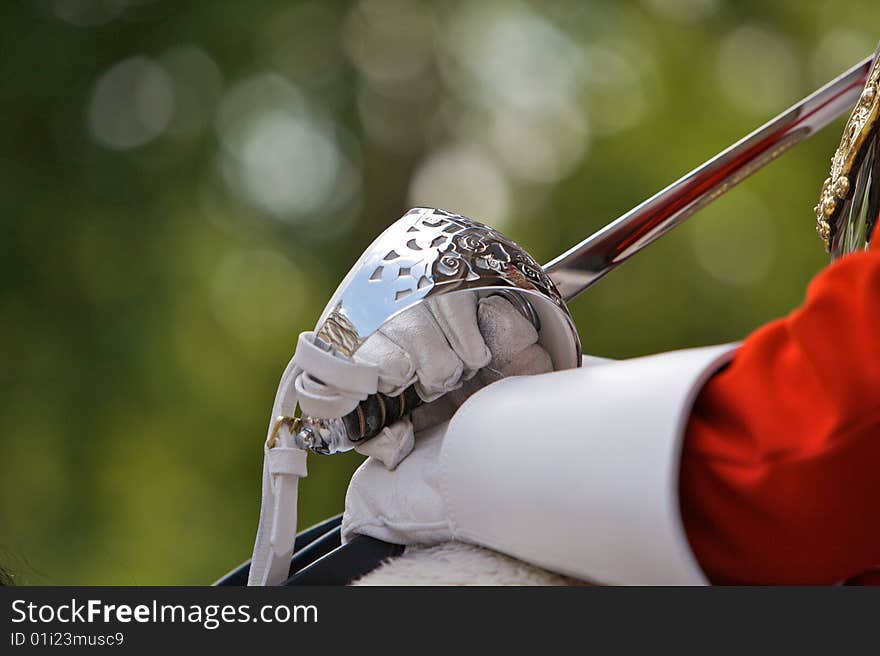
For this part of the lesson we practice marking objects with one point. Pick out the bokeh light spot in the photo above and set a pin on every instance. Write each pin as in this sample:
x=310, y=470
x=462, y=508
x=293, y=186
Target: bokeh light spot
x=512, y=56
x=88, y=13
x=540, y=148
x=615, y=93
x=256, y=295
x=837, y=51
x=735, y=240
x=758, y=70
x=281, y=153
x=389, y=40
x=197, y=86
x=287, y=164
x=464, y=180
x=685, y=11
x=131, y=104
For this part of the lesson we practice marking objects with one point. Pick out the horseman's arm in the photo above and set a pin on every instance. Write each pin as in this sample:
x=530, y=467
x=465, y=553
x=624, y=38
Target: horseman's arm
x=779, y=473
x=578, y=471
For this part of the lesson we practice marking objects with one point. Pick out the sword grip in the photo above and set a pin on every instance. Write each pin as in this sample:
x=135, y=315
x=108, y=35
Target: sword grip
x=379, y=411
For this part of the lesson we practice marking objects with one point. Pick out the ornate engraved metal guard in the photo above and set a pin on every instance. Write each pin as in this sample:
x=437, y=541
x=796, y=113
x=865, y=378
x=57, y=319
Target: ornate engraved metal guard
x=426, y=253
x=430, y=251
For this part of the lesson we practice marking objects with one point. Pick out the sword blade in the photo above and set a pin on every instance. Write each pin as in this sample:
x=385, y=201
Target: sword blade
x=584, y=264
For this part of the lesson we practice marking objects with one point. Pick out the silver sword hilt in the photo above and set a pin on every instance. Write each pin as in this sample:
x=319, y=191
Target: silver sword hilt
x=378, y=410
x=426, y=253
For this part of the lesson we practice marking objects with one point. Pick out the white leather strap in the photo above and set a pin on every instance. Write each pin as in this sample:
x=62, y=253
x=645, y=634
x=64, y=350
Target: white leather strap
x=355, y=377
x=283, y=465
x=577, y=471
x=330, y=386
x=319, y=400
x=326, y=386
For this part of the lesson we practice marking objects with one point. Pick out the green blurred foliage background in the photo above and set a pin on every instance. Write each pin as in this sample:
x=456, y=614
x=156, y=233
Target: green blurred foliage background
x=184, y=184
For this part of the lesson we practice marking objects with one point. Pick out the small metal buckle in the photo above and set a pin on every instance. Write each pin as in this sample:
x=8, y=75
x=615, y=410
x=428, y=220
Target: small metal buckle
x=281, y=420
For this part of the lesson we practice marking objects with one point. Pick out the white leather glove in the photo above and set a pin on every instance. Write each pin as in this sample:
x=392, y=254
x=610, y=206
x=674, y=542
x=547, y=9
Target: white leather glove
x=405, y=506
x=448, y=347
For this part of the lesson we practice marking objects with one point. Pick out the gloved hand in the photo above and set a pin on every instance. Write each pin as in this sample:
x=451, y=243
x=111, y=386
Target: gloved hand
x=438, y=346
x=448, y=347
x=406, y=505
x=575, y=471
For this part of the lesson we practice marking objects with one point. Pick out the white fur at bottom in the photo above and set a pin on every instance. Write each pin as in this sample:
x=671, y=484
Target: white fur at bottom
x=457, y=563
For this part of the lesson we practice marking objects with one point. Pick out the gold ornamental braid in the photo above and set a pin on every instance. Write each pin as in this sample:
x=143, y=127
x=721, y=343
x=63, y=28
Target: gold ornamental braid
x=838, y=185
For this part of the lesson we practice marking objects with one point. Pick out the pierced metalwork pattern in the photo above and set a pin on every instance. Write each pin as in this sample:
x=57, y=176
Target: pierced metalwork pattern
x=475, y=251
x=849, y=154
x=427, y=251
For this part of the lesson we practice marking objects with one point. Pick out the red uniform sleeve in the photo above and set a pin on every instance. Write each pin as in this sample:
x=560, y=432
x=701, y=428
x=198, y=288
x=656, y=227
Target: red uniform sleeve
x=780, y=477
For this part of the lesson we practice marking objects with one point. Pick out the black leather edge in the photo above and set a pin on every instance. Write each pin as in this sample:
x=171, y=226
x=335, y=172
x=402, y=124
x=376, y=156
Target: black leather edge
x=346, y=563
x=239, y=575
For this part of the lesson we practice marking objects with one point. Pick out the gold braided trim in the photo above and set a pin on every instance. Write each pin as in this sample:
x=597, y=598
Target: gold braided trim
x=837, y=186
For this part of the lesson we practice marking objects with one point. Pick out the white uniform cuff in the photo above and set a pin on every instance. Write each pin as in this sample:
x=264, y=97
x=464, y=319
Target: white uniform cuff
x=584, y=464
